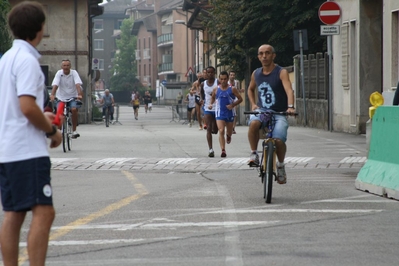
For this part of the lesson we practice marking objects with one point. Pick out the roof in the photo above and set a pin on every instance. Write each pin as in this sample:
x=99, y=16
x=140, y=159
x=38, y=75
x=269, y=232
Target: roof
x=150, y=23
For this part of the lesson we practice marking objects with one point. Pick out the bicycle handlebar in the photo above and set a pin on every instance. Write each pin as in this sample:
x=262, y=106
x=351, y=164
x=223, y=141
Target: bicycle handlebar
x=269, y=112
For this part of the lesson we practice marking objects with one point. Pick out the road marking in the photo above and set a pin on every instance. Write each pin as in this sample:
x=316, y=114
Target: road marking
x=286, y=160
x=103, y=241
x=61, y=160
x=125, y=227
x=61, y=231
x=301, y=211
x=354, y=160
x=176, y=161
x=105, y=211
x=117, y=161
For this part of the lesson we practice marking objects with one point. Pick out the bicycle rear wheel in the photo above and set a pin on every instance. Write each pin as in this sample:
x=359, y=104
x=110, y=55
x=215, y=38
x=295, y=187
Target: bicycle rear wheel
x=268, y=184
x=64, y=135
x=69, y=134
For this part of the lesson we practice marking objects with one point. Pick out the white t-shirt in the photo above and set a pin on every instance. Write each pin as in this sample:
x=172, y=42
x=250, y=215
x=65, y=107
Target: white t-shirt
x=20, y=74
x=66, y=84
x=208, y=95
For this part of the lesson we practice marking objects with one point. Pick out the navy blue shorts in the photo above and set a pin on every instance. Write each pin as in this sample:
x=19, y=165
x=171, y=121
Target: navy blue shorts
x=25, y=184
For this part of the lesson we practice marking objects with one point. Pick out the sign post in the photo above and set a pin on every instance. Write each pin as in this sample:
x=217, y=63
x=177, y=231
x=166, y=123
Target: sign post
x=329, y=13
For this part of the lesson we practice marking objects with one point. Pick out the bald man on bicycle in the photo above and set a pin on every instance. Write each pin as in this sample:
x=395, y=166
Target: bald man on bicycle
x=66, y=85
x=274, y=93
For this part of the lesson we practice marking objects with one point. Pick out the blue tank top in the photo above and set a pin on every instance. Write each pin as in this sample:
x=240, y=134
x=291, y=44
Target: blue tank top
x=271, y=92
x=224, y=98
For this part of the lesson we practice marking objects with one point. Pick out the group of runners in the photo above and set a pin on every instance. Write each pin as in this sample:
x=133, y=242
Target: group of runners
x=214, y=101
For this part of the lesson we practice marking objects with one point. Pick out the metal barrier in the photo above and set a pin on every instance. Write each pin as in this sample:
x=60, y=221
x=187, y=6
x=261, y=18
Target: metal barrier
x=179, y=113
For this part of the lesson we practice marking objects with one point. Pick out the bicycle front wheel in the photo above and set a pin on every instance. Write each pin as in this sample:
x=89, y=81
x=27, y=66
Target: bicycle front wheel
x=268, y=184
x=69, y=134
x=107, y=117
x=64, y=135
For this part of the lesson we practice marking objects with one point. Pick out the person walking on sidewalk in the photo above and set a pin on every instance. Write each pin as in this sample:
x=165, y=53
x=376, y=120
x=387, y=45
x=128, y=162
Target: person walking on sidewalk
x=24, y=159
x=207, y=88
x=274, y=93
x=226, y=98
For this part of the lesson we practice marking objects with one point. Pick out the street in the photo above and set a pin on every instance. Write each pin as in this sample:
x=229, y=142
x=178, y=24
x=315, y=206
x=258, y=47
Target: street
x=145, y=193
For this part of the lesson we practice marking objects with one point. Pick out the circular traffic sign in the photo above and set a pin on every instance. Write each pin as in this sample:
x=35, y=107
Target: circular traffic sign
x=329, y=12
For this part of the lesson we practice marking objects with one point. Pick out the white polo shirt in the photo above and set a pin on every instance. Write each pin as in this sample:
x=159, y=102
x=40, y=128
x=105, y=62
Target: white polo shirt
x=20, y=74
x=66, y=84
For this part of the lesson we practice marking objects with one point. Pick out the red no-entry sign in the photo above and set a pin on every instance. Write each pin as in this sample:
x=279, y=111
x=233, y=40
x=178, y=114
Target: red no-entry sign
x=329, y=12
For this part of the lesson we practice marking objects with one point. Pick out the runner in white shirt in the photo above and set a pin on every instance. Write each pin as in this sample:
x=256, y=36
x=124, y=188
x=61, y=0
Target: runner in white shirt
x=207, y=88
x=190, y=100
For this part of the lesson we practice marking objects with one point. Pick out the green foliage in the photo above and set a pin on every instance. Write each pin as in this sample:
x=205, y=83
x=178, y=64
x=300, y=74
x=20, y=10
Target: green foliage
x=243, y=25
x=125, y=67
x=5, y=37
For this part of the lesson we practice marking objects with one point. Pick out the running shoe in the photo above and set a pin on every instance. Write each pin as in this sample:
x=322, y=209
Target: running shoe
x=253, y=160
x=223, y=154
x=281, y=175
x=75, y=135
x=211, y=153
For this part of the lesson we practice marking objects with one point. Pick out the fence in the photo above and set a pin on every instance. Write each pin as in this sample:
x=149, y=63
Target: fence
x=316, y=81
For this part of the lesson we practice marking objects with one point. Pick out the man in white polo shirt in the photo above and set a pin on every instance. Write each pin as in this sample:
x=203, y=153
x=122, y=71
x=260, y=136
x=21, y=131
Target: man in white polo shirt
x=66, y=85
x=24, y=158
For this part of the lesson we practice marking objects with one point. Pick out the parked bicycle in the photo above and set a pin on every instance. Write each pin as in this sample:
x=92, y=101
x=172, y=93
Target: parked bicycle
x=267, y=163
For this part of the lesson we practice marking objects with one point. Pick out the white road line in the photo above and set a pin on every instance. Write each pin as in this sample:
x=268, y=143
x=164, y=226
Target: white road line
x=297, y=159
x=61, y=160
x=354, y=160
x=232, y=233
x=245, y=160
x=176, y=161
x=123, y=227
x=302, y=211
x=102, y=241
x=117, y=161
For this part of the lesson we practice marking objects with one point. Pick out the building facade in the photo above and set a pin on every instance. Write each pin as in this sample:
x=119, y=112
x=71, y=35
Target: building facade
x=106, y=28
x=66, y=37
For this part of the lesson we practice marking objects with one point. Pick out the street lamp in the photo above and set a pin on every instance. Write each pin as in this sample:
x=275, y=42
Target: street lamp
x=183, y=22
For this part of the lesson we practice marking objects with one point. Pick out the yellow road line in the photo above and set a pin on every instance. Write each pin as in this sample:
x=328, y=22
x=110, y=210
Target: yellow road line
x=142, y=191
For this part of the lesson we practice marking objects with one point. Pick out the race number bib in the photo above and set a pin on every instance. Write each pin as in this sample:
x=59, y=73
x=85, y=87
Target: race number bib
x=267, y=96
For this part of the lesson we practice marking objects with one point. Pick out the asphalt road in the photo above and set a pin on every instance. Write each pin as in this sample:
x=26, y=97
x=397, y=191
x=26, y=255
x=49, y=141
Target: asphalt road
x=145, y=193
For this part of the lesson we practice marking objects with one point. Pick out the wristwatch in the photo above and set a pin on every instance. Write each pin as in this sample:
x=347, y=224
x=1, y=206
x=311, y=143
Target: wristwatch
x=291, y=106
x=52, y=133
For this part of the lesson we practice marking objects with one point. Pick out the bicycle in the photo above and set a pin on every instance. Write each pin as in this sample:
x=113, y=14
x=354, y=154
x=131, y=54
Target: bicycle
x=66, y=129
x=267, y=164
x=107, y=114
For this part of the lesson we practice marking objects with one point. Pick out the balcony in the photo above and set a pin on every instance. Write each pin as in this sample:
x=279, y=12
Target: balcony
x=165, y=39
x=165, y=67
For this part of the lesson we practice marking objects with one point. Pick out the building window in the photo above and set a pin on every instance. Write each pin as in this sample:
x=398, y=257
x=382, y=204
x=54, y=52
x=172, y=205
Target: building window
x=98, y=24
x=98, y=44
x=118, y=24
x=101, y=64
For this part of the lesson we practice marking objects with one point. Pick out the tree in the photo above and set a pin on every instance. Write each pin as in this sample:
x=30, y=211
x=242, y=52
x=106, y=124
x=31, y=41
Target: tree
x=242, y=26
x=5, y=38
x=125, y=67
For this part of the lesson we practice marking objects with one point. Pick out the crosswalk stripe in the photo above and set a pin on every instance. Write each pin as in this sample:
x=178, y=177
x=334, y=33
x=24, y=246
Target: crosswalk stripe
x=354, y=160
x=176, y=161
x=117, y=161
